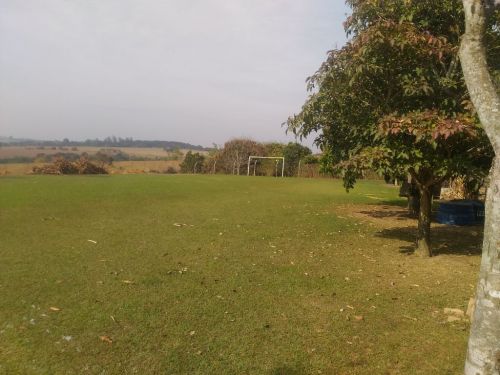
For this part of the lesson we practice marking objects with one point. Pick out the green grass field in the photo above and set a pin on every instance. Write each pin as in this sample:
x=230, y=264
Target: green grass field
x=220, y=275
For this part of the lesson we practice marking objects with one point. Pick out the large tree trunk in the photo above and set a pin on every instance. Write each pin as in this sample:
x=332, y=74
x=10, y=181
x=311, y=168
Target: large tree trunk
x=424, y=223
x=483, y=356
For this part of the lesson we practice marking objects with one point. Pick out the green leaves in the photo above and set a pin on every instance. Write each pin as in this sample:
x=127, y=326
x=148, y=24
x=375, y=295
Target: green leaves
x=192, y=163
x=393, y=98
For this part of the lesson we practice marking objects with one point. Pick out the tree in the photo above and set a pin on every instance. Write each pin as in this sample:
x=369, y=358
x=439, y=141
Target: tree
x=294, y=153
x=274, y=149
x=192, y=163
x=309, y=166
x=431, y=148
x=483, y=356
x=213, y=159
x=234, y=155
x=394, y=100
x=268, y=167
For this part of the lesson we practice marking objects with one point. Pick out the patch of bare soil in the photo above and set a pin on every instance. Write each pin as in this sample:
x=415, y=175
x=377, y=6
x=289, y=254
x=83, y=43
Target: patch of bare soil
x=394, y=222
x=381, y=214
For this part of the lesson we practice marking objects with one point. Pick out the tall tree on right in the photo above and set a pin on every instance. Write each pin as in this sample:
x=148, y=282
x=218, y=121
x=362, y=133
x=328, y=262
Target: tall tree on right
x=483, y=356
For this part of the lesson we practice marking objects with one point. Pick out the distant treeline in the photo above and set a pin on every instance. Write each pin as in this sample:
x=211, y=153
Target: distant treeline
x=233, y=158
x=107, y=142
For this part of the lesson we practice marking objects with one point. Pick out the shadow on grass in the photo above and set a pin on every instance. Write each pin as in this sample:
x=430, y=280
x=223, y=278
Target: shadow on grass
x=400, y=202
x=395, y=214
x=445, y=239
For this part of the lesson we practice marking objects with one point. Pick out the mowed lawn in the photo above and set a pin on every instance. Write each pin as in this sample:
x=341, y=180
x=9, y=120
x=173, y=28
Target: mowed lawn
x=219, y=275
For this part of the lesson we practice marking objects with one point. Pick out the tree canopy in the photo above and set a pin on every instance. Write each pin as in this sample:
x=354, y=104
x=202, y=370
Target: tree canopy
x=393, y=99
x=294, y=154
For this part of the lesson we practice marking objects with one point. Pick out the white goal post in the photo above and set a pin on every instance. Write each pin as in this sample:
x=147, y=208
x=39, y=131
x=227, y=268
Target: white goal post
x=277, y=158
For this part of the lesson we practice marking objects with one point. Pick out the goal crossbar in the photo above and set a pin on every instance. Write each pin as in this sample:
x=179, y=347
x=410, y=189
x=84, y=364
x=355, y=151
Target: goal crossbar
x=267, y=157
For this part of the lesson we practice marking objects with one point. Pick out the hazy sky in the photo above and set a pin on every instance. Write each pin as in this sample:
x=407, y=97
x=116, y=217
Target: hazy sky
x=199, y=71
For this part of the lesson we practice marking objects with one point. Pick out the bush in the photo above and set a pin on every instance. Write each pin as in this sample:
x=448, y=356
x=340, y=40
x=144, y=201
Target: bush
x=84, y=166
x=171, y=170
x=193, y=163
x=63, y=166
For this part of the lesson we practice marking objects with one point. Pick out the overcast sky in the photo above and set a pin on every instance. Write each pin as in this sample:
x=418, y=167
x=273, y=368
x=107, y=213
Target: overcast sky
x=199, y=71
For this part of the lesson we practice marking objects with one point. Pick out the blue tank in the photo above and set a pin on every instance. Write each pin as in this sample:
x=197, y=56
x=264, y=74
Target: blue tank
x=461, y=212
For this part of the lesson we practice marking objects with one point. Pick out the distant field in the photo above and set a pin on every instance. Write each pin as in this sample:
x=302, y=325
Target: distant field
x=120, y=167
x=7, y=152
x=146, y=166
x=157, y=274
x=17, y=169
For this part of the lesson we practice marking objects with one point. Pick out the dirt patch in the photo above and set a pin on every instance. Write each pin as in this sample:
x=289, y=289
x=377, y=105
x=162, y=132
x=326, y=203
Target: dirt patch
x=394, y=222
x=385, y=216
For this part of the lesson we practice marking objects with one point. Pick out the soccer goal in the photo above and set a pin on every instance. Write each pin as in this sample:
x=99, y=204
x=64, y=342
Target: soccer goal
x=277, y=158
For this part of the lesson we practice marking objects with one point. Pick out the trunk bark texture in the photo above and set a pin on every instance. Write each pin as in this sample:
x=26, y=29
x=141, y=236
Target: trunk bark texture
x=424, y=223
x=483, y=355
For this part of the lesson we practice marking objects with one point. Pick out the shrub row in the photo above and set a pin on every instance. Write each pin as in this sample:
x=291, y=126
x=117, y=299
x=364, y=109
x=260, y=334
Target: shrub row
x=63, y=166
